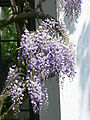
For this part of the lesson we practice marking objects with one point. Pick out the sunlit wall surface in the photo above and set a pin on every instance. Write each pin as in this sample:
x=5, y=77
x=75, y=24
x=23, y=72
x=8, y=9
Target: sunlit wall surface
x=75, y=97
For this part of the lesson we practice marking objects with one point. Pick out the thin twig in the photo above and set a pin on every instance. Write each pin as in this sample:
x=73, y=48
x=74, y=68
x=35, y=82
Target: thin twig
x=40, y=4
x=14, y=8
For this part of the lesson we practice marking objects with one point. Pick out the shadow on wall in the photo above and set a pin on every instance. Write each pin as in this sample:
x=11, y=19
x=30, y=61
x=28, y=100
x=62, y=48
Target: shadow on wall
x=83, y=55
x=70, y=25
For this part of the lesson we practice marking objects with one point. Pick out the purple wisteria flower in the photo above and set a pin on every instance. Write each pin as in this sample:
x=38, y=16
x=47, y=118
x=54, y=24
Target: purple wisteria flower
x=72, y=8
x=16, y=87
x=46, y=53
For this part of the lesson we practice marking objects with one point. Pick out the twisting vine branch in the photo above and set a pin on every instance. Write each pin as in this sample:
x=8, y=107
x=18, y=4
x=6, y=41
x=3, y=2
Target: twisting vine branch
x=15, y=11
x=24, y=15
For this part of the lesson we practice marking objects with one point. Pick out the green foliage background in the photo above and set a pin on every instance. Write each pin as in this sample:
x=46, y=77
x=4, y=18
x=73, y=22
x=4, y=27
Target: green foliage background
x=8, y=49
x=9, y=33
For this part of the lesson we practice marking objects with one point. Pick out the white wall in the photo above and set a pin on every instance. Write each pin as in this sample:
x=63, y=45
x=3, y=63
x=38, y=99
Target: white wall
x=75, y=97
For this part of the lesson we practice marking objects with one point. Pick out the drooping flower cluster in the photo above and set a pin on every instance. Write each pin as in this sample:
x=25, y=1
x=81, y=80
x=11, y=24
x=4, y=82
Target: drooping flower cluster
x=72, y=8
x=69, y=10
x=16, y=87
x=37, y=94
x=44, y=54
x=47, y=52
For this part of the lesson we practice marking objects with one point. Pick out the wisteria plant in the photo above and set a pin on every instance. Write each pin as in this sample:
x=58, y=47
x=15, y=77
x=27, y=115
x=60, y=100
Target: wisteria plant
x=42, y=55
x=71, y=10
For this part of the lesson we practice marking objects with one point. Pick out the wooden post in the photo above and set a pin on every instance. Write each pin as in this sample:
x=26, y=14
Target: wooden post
x=31, y=22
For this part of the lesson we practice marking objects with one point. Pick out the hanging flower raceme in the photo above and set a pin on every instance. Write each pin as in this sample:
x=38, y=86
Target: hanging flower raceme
x=47, y=52
x=72, y=8
x=16, y=87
